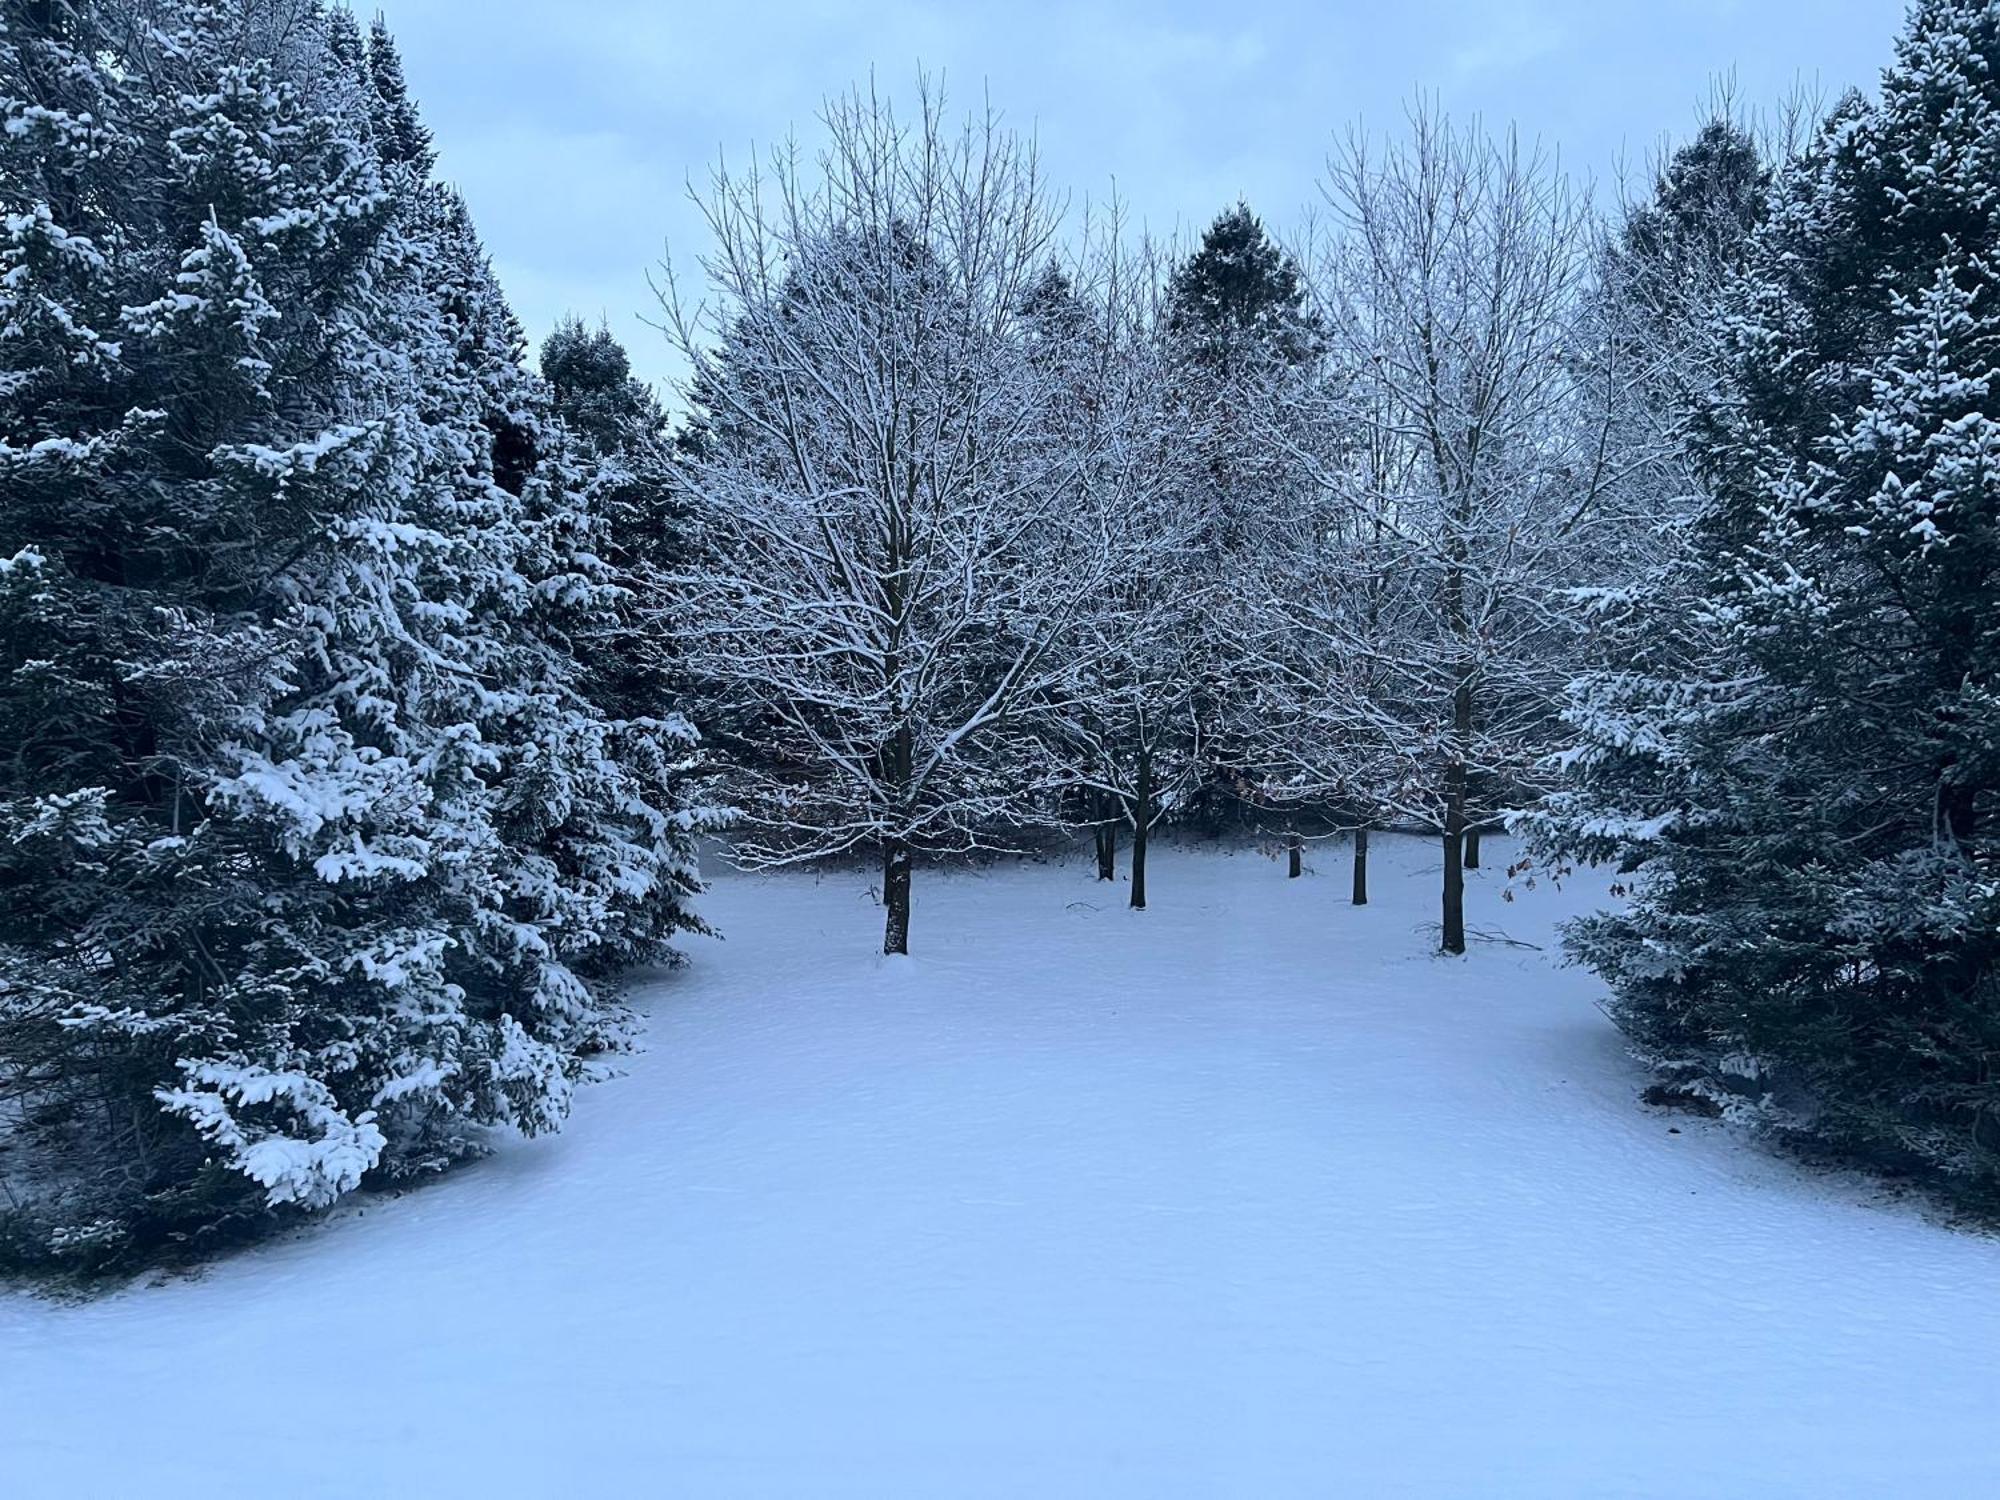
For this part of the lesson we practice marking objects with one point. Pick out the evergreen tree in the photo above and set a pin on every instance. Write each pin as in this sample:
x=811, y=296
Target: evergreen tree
x=1243, y=339
x=1238, y=320
x=594, y=391
x=400, y=135
x=1808, y=810
x=1239, y=295
x=1693, y=231
x=618, y=425
x=310, y=842
x=1660, y=348
x=620, y=444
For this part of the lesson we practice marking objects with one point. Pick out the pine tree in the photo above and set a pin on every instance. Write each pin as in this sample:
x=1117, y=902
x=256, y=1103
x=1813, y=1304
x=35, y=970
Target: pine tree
x=617, y=441
x=1807, y=810
x=1240, y=296
x=1248, y=342
x=1240, y=325
x=620, y=429
x=1693, y=231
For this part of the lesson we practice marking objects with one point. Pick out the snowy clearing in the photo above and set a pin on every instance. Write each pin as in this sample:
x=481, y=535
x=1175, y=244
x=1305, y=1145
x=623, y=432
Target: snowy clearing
x=1245, y=1195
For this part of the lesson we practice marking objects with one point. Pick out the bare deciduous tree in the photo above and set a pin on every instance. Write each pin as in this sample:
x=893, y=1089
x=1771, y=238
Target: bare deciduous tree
x=895, y=559
x=1414, y=627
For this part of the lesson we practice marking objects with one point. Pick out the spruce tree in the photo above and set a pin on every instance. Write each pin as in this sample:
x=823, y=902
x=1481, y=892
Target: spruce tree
x=621, y=431
x=619, y=443
x=1694, y=229
x=1660, y=345
x=400, y=134
x=1809, y=809
x=313, y=849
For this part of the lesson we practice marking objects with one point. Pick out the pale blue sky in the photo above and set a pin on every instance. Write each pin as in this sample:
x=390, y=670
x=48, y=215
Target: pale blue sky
x=573, y=129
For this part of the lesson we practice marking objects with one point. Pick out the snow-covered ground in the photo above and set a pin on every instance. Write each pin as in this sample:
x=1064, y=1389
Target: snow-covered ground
x=1247, y=1195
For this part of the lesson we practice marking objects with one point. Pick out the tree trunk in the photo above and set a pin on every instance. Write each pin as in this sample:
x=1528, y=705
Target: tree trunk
x=1456, y=772
x=1452, y=939
x=1107, y=838
x=1959, y=803
x=896, y=849
x=896, y=896
x=1142, y=815
x=1295, y=856
x=1360, y=867
x=1472, y=847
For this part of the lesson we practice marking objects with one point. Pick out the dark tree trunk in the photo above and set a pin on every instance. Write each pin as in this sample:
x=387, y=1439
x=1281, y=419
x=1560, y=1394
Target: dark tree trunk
x=1959, y=802
x=1294, y=857
x=896, y=896
x=1360, y=867
x=1472, y=847
x=896, y=851
x=1966, y=963
x=1142, y=815
x=1107, y=838
x=1452, y=939
x=1456, y=772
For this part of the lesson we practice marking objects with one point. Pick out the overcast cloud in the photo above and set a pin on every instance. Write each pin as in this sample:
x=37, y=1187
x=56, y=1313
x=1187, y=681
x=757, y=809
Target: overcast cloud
x=574, y=129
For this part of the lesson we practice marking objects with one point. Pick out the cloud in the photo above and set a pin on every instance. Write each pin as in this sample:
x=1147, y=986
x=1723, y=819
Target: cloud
x=1520, y=41
x=574, y=135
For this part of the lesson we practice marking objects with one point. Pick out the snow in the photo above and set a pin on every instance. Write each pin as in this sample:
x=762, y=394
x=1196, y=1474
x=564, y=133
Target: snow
x=1246, y=1195
x=314, y=1171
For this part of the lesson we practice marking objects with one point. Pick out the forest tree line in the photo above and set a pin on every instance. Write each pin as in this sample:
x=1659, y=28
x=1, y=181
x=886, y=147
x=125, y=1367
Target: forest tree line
x=367, y=692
